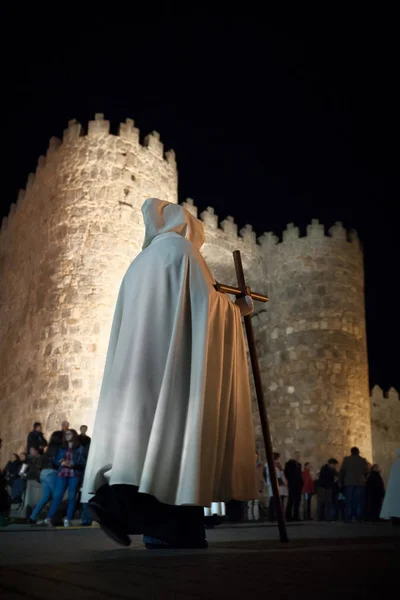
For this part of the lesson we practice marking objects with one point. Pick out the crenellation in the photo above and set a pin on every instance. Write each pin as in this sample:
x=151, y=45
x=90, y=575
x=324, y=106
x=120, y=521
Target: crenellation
x=73, y=131
x=385, y=425
x=209, y=218
x=229, y=227
x=338, y=232
x=41, y=164
x=99, y=126
x=30, y=181
x=12, y=211
x=315, y=230
x=248, y=235
x=54, y=145
x=291, y=233
x=129, y=132
x=393, y=396
x=190, y=206
x=154, y=145
x=267, y=241
x=171, y=158
x=20, y=199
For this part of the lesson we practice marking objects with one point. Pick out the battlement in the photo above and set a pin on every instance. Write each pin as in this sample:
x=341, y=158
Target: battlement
x=378, y=396
x=97, y=128
x=267, y=241
x=226, y=231
x=100, y=127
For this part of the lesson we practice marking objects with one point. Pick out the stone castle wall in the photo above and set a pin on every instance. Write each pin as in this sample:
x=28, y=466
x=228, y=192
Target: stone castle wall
x=311, y=336
x=385, y=424
x=315, y=343
x=63, y=253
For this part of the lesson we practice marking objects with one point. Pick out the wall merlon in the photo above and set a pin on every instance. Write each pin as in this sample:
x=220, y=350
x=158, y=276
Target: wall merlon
x=248, y=235
x=353, y=238
x=54, y=145
x=338, y=231
x=268, y=240
x=315, y=229
x=41, y=164
x=291, y=232
x=393, y=394
x=153, y=143
x=170, y=157
x=13, y=210
x=190, y=206
x=21, y=198
x=73, y=131
x=99, y=126
x=30, y=181
x=229, y=226
x=128, y=131
x=378, y=395
x=209, y=218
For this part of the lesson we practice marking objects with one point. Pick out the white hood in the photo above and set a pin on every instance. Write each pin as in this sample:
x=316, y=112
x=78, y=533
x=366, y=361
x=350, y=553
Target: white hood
x=164, y=217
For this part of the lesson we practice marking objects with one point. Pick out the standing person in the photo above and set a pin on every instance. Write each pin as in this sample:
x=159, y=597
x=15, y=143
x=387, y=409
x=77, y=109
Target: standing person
x=325, y=489
x=253, y=506
x=12, y=469
x=48, y=473
x=174, y=426
x=282, y=487
x=308, y=490
x=36, y=439
x=352, y=478
x=295, y=484
x=391, y=503
x=19, y=483
x=4, y=497
x=84, y=439
x=64, y=429
x=33, y=461
x=70, y=462
x=374, y=493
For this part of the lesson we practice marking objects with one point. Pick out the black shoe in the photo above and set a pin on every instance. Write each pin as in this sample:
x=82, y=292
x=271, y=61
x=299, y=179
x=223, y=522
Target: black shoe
x=108, y=527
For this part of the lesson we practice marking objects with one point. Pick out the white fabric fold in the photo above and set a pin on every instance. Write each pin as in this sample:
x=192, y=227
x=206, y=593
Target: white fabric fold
x=174, y=416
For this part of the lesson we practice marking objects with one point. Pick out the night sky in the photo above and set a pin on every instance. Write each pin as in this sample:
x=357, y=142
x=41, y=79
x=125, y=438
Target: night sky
x=270, y=123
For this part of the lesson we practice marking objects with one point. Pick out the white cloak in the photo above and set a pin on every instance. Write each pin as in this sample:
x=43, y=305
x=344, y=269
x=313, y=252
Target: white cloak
x=174, y=416
x=391, y=502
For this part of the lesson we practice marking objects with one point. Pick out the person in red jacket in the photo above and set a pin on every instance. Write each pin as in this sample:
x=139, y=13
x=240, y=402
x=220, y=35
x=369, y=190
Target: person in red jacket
x=307, y=491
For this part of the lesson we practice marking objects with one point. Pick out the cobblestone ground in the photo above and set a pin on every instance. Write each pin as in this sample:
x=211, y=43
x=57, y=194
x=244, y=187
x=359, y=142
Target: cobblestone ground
x=333, y=561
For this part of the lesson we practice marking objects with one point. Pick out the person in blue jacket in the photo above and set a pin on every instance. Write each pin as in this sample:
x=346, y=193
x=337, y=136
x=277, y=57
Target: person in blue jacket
x=70, y=461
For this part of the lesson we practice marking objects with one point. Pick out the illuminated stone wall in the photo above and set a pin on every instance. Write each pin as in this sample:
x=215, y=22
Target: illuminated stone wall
x=315, y=360
x=311, y=337
x=385, y=422
x=63, y=251
x=66, y=245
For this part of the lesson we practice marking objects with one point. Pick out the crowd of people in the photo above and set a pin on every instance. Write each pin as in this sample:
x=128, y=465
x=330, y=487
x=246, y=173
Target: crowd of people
x=58, y=465
x=353, y=492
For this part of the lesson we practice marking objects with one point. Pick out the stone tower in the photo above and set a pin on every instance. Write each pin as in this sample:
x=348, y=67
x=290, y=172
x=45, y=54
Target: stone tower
x=315, y=361
x=63, y=251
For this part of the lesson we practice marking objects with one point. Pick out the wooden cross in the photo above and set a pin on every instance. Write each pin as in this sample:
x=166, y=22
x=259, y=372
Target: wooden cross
x=244, y=290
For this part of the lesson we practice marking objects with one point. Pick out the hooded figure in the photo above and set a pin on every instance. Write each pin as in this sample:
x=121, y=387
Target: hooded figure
x=174, y=427
x=391, y=503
